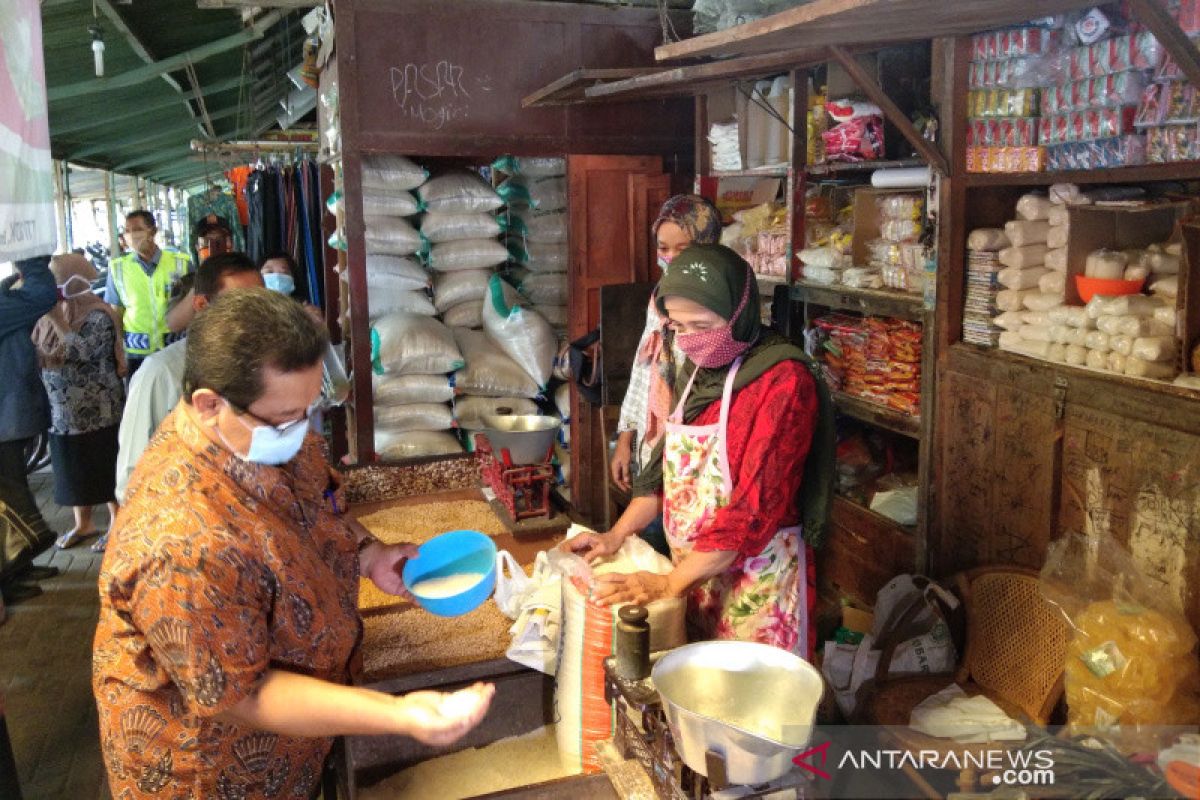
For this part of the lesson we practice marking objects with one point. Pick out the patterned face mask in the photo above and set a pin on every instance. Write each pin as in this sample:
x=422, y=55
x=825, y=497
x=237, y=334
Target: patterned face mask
x=717, y=347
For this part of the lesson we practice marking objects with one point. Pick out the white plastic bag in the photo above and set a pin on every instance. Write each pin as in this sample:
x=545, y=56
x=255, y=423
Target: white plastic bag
x=537, y=631
x=438, y=227
x=459, y=193
x=395, y=273
x=467, y=254
x=464, y=315
x=549, y=288
x=488, y=371
x=538, y=167
x=461, y=286
x=399, y=389
x=521, y=333
x=382, y=302
x=414, y=417
x=398, y=445
x=1020, y=277
x=512, y=585
x=540, y=228
x=391, y=236
x=412, y=344
x=395, y=173
x=382, y=203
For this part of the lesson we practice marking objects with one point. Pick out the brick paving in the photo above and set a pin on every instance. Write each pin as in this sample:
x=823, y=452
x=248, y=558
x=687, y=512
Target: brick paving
x=45, y=670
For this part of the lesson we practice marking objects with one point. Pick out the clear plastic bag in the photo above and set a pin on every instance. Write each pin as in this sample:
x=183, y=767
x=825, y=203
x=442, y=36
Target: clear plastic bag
x=1131, y=660
x=395, y=273
x=439, y=227
x=539, y=256
x=414, y=417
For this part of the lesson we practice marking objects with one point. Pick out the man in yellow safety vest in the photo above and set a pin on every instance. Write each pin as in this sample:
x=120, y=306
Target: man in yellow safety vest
x=139, y=286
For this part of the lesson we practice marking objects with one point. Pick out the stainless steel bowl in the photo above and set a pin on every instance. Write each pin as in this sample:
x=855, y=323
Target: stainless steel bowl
x=527, y=437
x=750, y=703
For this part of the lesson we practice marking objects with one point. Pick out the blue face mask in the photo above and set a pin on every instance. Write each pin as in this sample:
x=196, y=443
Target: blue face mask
x=279, y=282
x=274, y=445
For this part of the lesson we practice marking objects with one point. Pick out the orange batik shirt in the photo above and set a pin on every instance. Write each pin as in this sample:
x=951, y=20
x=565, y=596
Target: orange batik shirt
x=216, y=571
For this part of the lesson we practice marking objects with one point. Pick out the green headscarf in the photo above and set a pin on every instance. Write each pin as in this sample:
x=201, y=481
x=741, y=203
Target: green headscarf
x=715, y=277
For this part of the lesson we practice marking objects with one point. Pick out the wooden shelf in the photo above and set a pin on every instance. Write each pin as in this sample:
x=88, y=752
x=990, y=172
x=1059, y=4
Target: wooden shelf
x=863, y=166
x=761, y=172
x=826, y=23
x=570, y=88
x=1186, y=171
x=876, y=302
x=878, y=415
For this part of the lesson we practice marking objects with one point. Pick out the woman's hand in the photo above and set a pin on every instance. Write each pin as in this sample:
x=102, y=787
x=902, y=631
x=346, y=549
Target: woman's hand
x=622, y=458
x=594, y=546
x=438, y=718
x=382, y=563
x=635, y=587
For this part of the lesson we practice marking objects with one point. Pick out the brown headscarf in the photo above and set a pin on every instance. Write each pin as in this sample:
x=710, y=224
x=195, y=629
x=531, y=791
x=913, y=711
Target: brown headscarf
x=49, y=336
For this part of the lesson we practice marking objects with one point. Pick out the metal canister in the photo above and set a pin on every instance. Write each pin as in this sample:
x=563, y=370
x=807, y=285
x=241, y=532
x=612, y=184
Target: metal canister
x=633, y=642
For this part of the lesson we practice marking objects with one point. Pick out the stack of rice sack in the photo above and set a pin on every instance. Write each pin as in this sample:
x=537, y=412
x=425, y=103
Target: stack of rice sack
x=983, y=267
x=461, y=233
x=535, y=194
x=1029, y=282
x=395, y=279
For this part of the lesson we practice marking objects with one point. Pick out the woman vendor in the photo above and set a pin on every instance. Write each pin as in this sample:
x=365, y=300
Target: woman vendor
x=228, y=593
x=746, y=457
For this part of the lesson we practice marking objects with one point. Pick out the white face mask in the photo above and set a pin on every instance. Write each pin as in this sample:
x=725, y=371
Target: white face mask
x=663, y=263
x=270, y=444
x=85, y=287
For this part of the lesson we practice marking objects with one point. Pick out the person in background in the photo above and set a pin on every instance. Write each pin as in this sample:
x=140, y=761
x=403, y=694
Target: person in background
x=229, y=597
x=752, y=427
x=279, y=273
x=139, y=286
x=24, y=414
x=80, y=350
x=213, y=237
x=155, y=390
x=683, y=220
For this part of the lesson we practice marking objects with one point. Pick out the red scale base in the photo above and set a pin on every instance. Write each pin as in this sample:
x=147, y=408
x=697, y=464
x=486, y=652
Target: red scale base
x=524, y=490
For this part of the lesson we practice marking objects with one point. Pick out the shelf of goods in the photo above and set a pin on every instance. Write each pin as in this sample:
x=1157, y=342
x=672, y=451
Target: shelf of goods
x=878, y=415
x=876, y=302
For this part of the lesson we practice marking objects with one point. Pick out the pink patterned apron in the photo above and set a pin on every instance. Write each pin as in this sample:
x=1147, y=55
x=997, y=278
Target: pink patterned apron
x=763, y=599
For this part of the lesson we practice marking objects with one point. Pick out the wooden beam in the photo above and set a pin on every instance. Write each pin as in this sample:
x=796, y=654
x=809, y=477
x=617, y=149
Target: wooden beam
x=150, y=71
x=925, y=148
x=217, y=4
x=1154, y=16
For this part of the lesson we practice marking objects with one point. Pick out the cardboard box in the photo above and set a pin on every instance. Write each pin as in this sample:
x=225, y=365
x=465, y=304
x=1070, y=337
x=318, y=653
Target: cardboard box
x=867, y=221
x=1115, y=227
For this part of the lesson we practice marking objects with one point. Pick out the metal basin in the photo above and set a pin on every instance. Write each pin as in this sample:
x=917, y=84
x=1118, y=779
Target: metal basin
x=752, y=704
x=526, y=437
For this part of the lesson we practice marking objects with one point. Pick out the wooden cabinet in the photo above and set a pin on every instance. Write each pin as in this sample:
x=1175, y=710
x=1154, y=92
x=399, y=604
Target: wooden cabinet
x=862, y=552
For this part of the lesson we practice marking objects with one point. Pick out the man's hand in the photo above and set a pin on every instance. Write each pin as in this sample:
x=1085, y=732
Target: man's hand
x=438, y=718
x=635, y=587
x=382, y=563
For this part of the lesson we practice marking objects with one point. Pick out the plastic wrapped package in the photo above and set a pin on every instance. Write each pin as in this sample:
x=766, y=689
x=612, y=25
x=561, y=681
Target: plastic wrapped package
x=1041, y=301
x=459, y=193
x=439, y=227
x=530, y=227
x=1078, y=337
x=1098, y=341
x=1013, y=73
x=545, y=288
x=1098, y=306
x=1167, y=286
x=461, y=286
x=412, y=344
x=414, y=417
x=1056, y=237
x=1033, y=207
x=391, y=236
x=1135, y=51
x=1138, y=327
x=1158, y=370
x=987, y=240
x=1014, y=343
x=1018, y=278
x=822, y=258
x=1107, y=265
x=1111, y=325
x=857, y=134
x=1115, y=151
x=521, y=333
x=1053, y=283
x=467, y=254
x=1060, y=334
x=380, y=203
x=1115, y=362
x=1161, y=262
x=1059, y=218
x=536, y=167
x=538, y=194
x=1137, y=272
x=1056, y=352
x=555, y=315
x=394, y=173
x=1131, y=657
x=1097, y=359
x=1027, y=232
x=489, y=372
x=401, y=389
x=399, y=445
x=1067, y=194
x=464, y=315
x=1130, y=305
x=861, y=278
x=1154, y=348
x=1074, y=316
x=383, y=302
x=1075, y=355
x=395, y=274
x=1012, y=299
x=822, y=276
x=1036, y=333
x=1056, y=260
x=1021, y=257
x=1167, y=315
x=1120, y=344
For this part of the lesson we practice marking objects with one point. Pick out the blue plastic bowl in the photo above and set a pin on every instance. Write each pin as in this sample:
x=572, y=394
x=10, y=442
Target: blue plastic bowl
x=454, y=553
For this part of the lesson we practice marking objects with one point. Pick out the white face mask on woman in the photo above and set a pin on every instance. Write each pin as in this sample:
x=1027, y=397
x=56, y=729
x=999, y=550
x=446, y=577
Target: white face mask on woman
x=85, y=287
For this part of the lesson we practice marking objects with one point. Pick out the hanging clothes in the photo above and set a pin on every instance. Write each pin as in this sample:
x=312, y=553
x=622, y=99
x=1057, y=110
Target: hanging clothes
x=284, y=215
x=237, y=179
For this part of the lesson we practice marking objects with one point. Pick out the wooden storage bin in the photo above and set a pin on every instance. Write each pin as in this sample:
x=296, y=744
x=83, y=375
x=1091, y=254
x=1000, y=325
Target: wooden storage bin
x=862, y=552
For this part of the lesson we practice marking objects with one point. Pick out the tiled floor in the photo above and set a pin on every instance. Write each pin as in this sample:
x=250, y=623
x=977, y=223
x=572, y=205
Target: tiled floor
x=45, y=671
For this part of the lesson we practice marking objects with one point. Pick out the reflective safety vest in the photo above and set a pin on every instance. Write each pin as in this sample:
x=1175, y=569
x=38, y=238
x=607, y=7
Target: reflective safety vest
x=145, y=299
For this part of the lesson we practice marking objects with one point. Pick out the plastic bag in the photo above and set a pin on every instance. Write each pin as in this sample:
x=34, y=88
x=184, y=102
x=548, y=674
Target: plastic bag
x=521, y=333
x=488, y=371
x=512, y=585
x=462, y=286
x=459, y=193
x=382, y=303
x=391, y=236
x=540, y=256
x=395, y=271
x=528, y=227
x=538, y=194
x=464, y=315
x=439, y=227
x=531, y=167
x=399, y=389
x=555, y=315
x=411, y=344
x=398, y=445
x=395, y=173
x=537, y=631
x=548, y=288
x=467, y=254
x=1131, y=659
x=470, y=410
x=414, y=417
x=380, y=203
x=385, y=283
